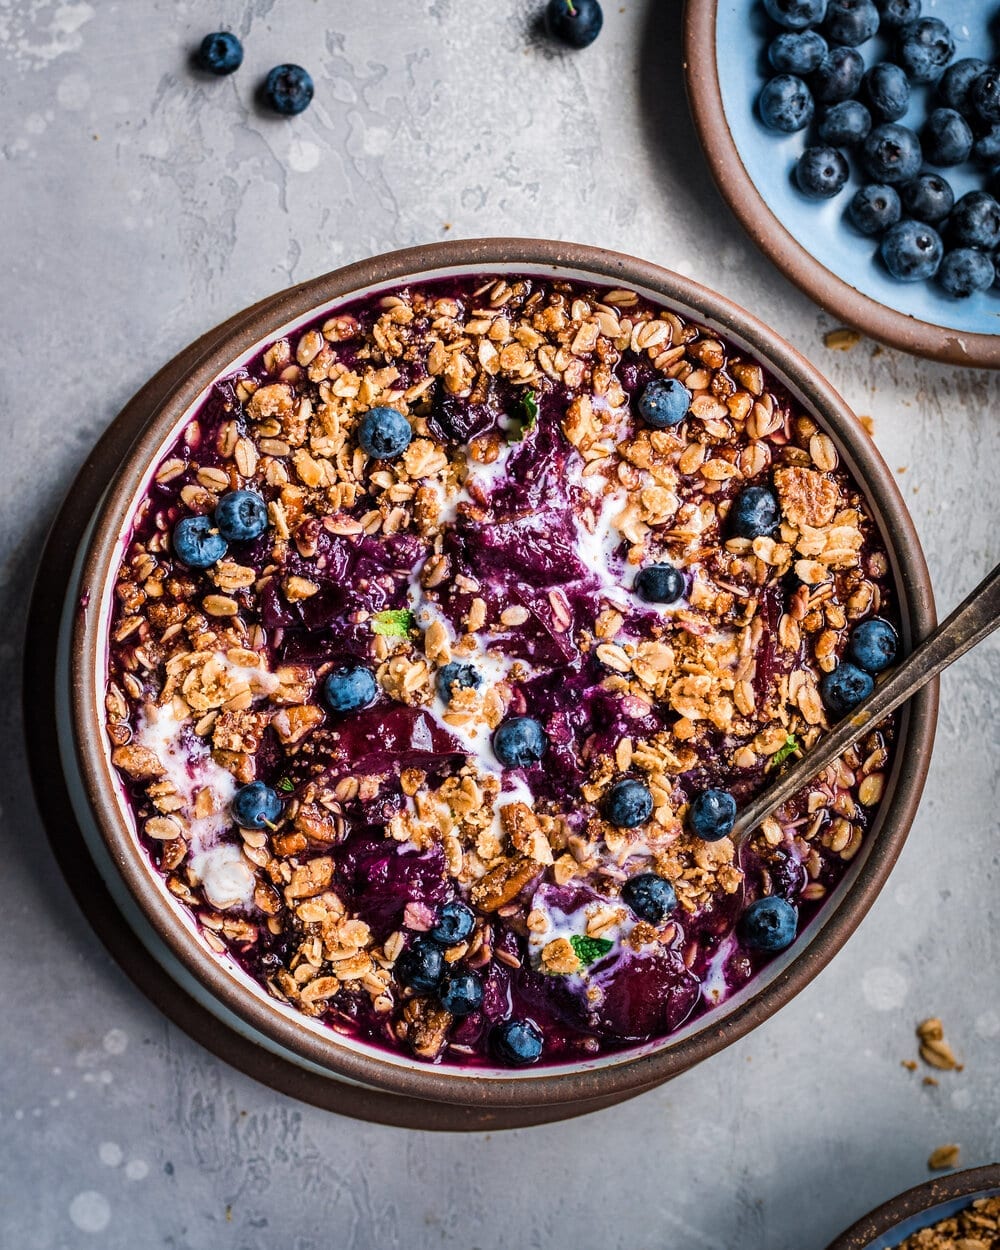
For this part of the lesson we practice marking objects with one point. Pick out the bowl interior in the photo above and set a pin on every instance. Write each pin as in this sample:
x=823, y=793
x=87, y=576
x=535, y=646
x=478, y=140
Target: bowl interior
x=927, y=1218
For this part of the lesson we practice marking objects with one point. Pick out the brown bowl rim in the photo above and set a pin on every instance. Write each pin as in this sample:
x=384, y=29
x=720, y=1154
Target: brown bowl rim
x=915, y=1201
x=737, y=188
x=542, y=1085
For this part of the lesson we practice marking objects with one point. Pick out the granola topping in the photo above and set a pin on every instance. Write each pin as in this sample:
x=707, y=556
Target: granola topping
x=483, y=575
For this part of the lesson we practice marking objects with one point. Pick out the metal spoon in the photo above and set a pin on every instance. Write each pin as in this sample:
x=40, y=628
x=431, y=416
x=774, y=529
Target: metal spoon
x=971, y=622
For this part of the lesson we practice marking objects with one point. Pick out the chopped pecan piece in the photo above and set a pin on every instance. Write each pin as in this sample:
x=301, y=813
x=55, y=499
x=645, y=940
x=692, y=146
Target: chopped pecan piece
x=427, y=1027
x=504, y=882
x=309, y=878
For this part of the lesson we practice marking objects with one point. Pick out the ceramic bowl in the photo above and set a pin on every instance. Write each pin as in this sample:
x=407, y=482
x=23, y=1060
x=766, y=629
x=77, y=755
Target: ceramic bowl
x=726, y=66
x=168, y=931
x=918, y=1208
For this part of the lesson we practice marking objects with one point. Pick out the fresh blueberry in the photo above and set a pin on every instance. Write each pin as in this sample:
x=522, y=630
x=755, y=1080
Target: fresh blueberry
x=256, y=806
x=796, y=14
x=574, y=22
x=517, y=1042
x=461, y=994
x=946, y=138
x=454, y=673
x=986, y=148
x=911, y=250
x=850, y=22
x=975, y=221
x=220, y=53
x=712, y=815
x=785, y=104
x=928, y=198
x=797, y=53
x=664, y=403
x=924, y=48
x=349, y=688
x=845, y=687
x=845, y=124
x=628, y=804
x=874, y=208
x=241, y=516
x=650, y=896
x=754, y=512
x=887, y=90
x=288, y=89
x=898, y=12
x=984, y=96
x=454, y=924
x=821, y=172
x=965, y=271
x=520, y=742
x=873, y=644
x=659, y=583
x=953, y=87
x=769, y=924
x=838, y=76
x=384, y=433
x=197, y=543
x=891, y=153
x=420, y=966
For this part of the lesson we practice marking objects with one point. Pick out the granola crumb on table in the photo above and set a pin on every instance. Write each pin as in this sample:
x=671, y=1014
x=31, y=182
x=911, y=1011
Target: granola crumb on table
x=503, y=542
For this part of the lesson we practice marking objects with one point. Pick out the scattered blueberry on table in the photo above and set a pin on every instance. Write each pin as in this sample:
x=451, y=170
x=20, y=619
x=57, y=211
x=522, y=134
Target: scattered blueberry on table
x=574, y=22
x=288, y=89
x=220, y=53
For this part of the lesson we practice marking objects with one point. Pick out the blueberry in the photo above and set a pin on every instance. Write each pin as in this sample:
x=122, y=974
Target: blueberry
x=712, y=815
x=454, y=924
x=874, y=208
x=845, y=687
x=520, y=742
x=659, y=583
x=288, y=89
x=887, y=90
x=965, y=271
x=891, y=153
x=797, y=53
x=754, y=512
x=946, y=138
x=821, y=172
x=664, y=403
x=928, y=198
x=420, y=966
x=461, y=994
x=627, y=804
x=850, y=22
x=845, y=124
x=241, y=516
x=873, y=644
x=924, y=48
x=651, y=897
x=986, y=148
x=384, y=433
x=898, y=12
x=975, y=221
x=911, y=250
x=220, y=53
x=574, y=22
x=785, y=104
x=197, y=543
x=769, y=924
x=517, y=1042
x=796, y=14
x=984, y=96
x=838, y=76
x=953, y=87
x=454, y=673
x=349, y=688
x=256, y=806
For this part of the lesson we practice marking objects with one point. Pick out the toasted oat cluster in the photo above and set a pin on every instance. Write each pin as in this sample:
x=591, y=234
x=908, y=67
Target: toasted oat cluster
x=445, y=632
x=975, y=1228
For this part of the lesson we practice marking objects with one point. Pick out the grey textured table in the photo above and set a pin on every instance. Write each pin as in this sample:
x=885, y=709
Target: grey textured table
x=140, y=207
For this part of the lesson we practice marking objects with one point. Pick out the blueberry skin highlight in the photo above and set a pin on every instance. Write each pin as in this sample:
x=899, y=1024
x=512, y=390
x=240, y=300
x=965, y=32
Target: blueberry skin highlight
x=289, y=89
x=241, y=516
x=838, y=76
x=955, y=82
x=420, y=966
x=517, y=1042
x=755, y=512
x=975, y=221
x=887, y=90
x=796, y=14
x=850, y=22
x=659, y=583
x=797, y=53
x=785, y=104
x=627, y=804
x=924, y=48
x=220, y=53
x=845, y=688
x=845, y=124
x=946, y=138
x=769, y=924
x=519, y=742
x=650, y=896
x=384, y=434
x=891, y=153
x=256, y=806
x=711, y=815
x=873, y=644
x=349, y=688
x=454, y=924
x=928, y=198
x=197, y=544
x=461, y=994
x=664, y=403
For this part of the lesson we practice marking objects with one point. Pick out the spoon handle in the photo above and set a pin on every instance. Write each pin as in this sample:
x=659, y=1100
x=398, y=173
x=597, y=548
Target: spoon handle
x=972, y=621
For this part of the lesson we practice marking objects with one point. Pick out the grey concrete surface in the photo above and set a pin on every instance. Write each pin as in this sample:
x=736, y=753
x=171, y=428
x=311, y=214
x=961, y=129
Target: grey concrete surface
x=141, y=205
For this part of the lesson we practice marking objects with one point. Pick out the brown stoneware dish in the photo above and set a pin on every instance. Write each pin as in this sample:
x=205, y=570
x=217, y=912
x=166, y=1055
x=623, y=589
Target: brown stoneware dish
x=565, y=1086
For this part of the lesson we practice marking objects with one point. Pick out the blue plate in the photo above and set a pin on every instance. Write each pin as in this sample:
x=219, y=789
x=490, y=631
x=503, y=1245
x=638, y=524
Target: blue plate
x=812, y=240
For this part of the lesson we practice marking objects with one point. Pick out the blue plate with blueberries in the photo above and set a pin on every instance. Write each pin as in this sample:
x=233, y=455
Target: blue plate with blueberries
x=859, y=143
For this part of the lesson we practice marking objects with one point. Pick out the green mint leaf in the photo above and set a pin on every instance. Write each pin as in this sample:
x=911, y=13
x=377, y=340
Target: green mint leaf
x=285, y=785
x=529, y=416
x=782, y=754
x=394, y=623
x=589, y=949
